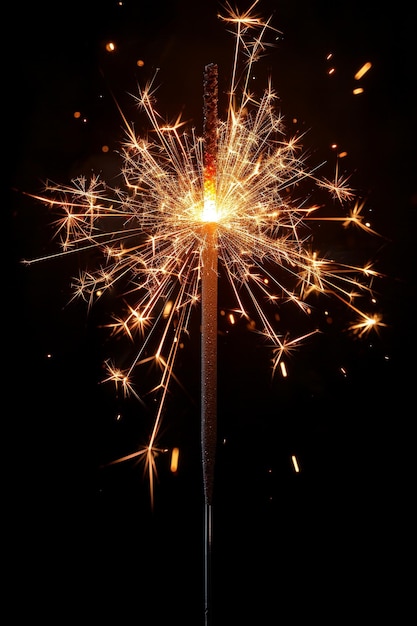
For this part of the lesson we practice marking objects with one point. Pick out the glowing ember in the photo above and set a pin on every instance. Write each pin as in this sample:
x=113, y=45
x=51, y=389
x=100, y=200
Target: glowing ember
x=362, y=71
x=174, y=460
x=295, y=463
x=210, y=212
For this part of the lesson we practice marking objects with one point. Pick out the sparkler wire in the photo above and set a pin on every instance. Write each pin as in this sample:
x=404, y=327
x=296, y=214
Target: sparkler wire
x=209, y=321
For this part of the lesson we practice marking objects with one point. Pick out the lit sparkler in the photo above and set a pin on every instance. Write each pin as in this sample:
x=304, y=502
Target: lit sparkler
x=185, y=209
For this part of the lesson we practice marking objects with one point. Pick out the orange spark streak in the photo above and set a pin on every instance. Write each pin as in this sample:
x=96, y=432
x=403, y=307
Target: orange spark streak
x=362, y=71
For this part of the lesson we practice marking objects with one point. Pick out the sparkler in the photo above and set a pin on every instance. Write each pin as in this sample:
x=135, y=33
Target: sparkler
x=193, y=210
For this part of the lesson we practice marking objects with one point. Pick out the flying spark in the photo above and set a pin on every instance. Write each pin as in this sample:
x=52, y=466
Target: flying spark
x=295, y=463
x=362, y=71
x=152, y=232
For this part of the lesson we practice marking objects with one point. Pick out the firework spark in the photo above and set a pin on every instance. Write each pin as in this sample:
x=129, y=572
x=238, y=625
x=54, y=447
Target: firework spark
x=152, y=232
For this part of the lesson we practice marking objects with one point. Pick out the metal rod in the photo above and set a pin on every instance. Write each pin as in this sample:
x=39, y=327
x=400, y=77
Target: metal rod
x=209, y=360
x=208, y=397
x=208, y=529
x=209, y=329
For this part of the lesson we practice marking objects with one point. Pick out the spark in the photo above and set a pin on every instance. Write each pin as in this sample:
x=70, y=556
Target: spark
x=366, y=323
x=362, y=70
x=354, y=218
x=174, y=460
x=152, y=231
x=338, y=187
x=283, y=369
x=295, y=463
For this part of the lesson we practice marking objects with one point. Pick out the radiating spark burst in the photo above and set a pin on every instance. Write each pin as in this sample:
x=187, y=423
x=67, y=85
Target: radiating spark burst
x=152, y=234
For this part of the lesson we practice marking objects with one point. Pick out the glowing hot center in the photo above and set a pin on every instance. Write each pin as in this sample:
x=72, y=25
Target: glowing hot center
x=209, y=212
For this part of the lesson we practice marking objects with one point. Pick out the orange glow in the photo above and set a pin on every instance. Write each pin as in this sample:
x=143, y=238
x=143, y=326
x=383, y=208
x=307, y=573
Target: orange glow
x=210, y=212
x=168, y=309
x=174, y=460
x=110, y=46
x=357, y=91
x=362, y=71
x=295, y=463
